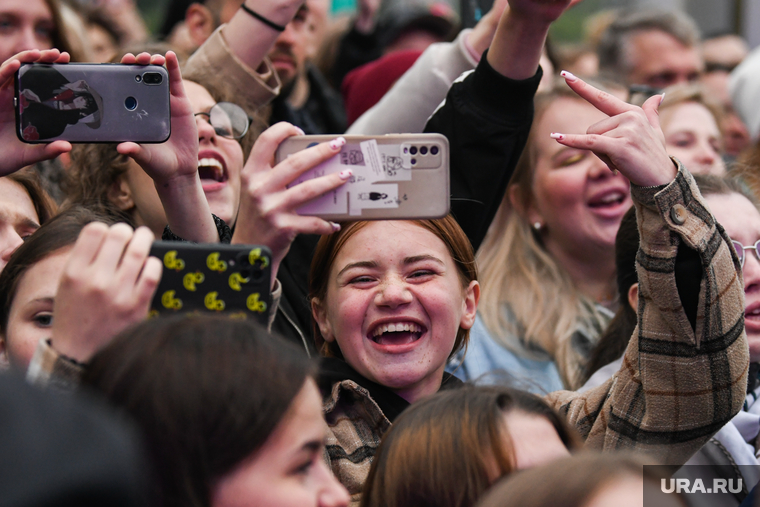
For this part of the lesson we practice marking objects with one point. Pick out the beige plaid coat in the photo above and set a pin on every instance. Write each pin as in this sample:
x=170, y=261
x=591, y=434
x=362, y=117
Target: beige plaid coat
x=676, y=387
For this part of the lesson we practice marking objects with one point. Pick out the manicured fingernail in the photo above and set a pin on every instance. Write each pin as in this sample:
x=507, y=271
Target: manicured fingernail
x=557, y=136
x=336, y=227
x=300, y=131
x=662, y=97
x=337, y=142
x=344, y=175
x=568, y=76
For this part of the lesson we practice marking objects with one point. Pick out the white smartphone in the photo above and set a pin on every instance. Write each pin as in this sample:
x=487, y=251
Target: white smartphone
x=396, y=176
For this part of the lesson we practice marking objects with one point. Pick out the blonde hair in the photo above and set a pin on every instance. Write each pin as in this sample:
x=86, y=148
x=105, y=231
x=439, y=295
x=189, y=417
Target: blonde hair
x=683, y=93
x=528, y=301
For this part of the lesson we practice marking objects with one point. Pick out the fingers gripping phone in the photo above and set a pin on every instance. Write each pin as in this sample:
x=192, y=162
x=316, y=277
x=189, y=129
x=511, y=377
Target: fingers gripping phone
x=231, y=279
x=92, y=103
x=396, y=176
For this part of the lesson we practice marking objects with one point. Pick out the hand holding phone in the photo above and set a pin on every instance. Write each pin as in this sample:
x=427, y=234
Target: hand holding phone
x=15, y=153
x=178, y=156
x=395, y=177
x=268, y=207
x=173, y=165
x=106, y=286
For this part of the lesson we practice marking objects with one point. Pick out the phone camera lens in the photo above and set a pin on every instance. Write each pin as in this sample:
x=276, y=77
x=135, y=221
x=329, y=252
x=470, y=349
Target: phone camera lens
x=130, y=103
x=413, y=150
x=434, y=150
x=414, y=161
x=152, y=78
x=423, y=150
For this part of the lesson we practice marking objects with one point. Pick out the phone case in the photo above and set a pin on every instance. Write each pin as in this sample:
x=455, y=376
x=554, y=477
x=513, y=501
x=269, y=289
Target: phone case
x=92, y=103
x=396, y=176
x=215, y=278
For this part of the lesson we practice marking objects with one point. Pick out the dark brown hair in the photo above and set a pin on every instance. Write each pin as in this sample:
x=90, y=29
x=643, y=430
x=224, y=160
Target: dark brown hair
x=94, y=170
x=43, y=203
x=206, y=392
x=570, y=482
x=60, y=232
x=447, y=229
x=444, y=451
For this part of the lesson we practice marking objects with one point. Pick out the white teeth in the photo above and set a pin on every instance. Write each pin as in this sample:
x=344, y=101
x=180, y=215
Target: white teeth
x=396, y=328
x=213, y=164
x=209, y=162
x=611, y=198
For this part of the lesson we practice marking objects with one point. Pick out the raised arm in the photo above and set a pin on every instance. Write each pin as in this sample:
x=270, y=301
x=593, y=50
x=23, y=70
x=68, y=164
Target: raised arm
x=487, y=114
x=268, y=208
x=236, y=52
x=679, y=382
x=173, y=165
x=15, y=153
x=413, y=98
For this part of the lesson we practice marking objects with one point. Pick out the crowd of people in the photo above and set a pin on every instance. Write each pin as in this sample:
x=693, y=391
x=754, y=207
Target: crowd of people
x=589, y=307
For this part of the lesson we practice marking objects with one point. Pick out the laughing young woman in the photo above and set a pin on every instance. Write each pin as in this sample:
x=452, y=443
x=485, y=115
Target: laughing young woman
x=393, y=301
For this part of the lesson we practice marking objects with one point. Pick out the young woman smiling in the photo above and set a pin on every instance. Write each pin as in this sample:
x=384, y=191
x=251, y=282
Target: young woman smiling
x=394, y=300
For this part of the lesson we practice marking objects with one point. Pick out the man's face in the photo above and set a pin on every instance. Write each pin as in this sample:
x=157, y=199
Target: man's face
x=659, y=60
x=300, y=40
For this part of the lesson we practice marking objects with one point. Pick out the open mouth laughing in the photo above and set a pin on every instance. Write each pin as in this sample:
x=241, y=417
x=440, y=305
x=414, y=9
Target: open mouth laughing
x=396, y=334
x=212, y=172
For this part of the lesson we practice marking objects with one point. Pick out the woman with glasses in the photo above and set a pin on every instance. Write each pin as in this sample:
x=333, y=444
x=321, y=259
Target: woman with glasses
x=112, y=180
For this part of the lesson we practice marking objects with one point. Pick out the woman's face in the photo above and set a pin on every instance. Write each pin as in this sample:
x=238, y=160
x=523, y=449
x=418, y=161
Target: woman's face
x=693, y=137
x=18, y=218
x=31, y=313
x=742, y=223
x=576, y=198
x=24, y=24
x=394, y=305
x=220, y=159
x=289, y=469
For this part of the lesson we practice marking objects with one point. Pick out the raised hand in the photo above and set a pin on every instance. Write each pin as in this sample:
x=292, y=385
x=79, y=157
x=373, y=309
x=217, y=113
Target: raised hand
x=630, y=140
x=545, y=11
x=268, y=208
x=521, y=35
x=178, y=157
x=17, y=154
x=173, y=165
x=106, y=286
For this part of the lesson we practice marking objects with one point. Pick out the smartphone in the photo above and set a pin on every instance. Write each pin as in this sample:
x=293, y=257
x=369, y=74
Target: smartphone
x=395, y=176
x=92, y=103
x=217, y=278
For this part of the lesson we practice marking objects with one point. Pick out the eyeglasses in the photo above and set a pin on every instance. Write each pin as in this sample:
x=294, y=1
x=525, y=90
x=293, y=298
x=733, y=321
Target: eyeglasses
x=229, y=120
x=740, y=249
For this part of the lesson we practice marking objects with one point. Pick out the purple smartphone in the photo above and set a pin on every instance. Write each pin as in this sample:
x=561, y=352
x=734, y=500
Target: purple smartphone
x=92, y=103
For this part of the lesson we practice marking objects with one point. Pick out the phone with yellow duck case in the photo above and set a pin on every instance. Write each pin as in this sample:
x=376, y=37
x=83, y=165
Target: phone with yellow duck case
x=215, y=278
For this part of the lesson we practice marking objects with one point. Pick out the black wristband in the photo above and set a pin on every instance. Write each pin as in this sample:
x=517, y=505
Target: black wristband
x=270, y=24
